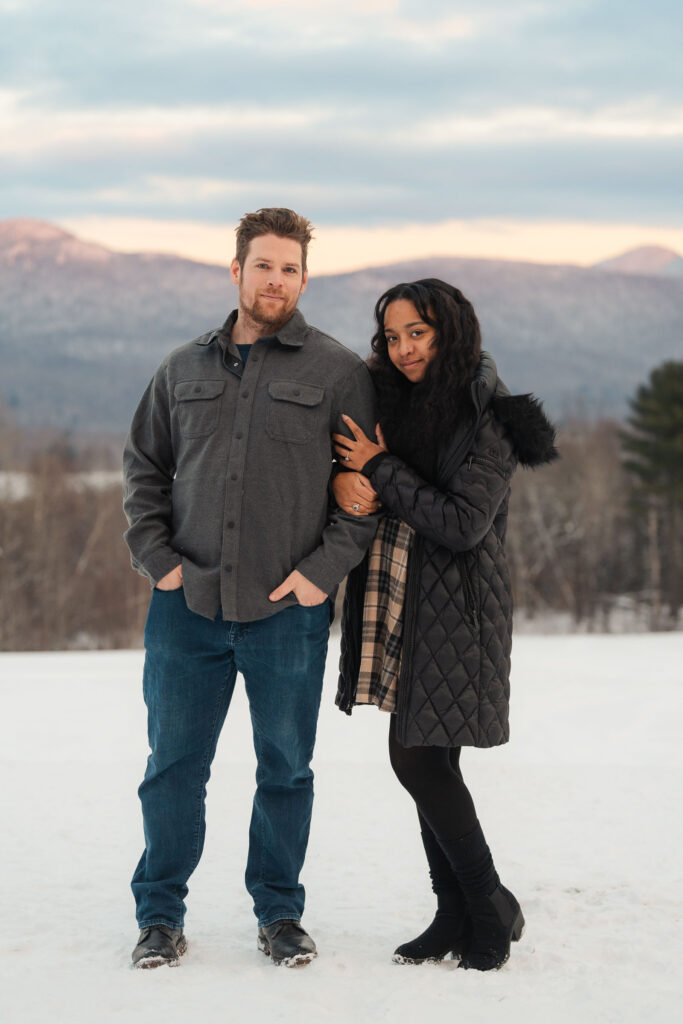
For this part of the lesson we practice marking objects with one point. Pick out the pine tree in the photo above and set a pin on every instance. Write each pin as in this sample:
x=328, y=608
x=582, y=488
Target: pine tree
x=653, y=445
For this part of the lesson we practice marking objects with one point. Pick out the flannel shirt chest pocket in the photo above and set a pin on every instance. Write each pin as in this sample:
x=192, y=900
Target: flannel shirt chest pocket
x=293, y=410
x=199, y=406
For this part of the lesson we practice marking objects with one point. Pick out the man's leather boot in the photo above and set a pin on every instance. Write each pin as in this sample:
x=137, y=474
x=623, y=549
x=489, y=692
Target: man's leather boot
x=287, y=943
x=159, y=945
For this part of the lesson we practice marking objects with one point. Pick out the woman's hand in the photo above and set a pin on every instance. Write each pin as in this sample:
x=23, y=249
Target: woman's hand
x=354, y=493
x=355, y=453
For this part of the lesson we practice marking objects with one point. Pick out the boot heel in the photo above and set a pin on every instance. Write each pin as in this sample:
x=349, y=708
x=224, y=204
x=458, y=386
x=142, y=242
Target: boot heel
x=518, y=927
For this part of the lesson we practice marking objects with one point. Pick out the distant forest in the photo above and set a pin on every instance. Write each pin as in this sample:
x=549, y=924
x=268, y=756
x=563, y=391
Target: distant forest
x=594, y=541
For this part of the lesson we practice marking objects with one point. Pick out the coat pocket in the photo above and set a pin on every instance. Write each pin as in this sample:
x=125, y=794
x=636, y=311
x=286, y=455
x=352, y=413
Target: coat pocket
x=198, y=405
x=466, y=563
x=293, y=410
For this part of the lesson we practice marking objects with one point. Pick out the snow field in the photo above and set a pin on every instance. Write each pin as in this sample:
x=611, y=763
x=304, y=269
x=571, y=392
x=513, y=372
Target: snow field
x=581, y=809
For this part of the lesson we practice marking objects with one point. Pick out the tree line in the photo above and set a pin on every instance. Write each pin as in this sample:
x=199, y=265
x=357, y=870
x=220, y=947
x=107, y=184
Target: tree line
x=596, y=539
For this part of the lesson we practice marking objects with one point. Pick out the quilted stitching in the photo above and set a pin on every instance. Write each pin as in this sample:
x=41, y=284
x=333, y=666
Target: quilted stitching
x=458, y=674
x=459, y=690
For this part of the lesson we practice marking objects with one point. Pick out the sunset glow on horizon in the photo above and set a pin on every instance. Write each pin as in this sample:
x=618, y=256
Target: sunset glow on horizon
x=336, y=249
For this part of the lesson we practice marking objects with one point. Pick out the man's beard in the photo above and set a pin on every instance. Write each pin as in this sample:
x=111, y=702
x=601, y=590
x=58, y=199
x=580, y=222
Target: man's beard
x=261, y=316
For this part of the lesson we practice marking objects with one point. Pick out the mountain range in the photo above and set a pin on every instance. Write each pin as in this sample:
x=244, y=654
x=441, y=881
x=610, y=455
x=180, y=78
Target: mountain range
x=82, y=328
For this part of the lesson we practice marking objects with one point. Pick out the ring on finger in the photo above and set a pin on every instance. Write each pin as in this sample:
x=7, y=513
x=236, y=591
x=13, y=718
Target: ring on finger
x=356, y=507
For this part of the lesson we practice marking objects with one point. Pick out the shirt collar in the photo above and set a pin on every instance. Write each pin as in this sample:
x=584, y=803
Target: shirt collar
x=291, y=334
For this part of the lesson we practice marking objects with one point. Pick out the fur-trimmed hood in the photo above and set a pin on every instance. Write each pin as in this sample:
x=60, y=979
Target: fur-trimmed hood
x=531, y=432
x=529, y=429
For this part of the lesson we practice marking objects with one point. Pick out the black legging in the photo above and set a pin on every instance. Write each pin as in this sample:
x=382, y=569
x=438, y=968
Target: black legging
x=433, y=778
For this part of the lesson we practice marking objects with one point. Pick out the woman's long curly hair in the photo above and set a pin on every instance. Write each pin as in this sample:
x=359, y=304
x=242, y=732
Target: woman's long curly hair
x=418, y=418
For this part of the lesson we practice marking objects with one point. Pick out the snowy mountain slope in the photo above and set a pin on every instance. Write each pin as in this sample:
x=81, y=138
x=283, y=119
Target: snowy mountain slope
x=647, y=260
x=83, y=328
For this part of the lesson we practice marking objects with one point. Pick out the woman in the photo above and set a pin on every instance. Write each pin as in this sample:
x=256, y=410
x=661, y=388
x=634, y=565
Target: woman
x=427, y=618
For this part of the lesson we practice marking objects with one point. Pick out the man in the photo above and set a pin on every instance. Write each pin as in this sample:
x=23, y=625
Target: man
x=226, y=470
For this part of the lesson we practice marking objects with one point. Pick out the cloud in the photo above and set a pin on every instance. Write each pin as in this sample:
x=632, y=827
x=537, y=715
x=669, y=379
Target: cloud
x=210, y=164
x=364, y=111
x=179, y=53
x=635, y=120
x=275, y=7
x=47, y=132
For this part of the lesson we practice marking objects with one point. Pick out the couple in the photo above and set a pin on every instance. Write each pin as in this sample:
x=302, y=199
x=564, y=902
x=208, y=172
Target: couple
x=228, y=482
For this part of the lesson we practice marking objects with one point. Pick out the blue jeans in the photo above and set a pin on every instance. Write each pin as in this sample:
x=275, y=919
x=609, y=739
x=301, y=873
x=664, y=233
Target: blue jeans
x=190, y=668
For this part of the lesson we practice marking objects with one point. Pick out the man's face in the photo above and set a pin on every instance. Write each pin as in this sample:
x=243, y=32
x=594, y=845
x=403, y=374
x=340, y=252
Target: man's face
x=270, y=281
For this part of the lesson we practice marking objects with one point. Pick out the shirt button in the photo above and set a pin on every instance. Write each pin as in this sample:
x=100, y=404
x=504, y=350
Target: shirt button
x=296, y=391
x=230, y=525
x=233, y=476
x=197, y=390
x=245, y=394
x=228, y=568
x=238, y=435
x=255, y=359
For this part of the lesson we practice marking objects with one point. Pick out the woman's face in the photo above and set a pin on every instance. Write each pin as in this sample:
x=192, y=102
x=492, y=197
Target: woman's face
x=409, y=339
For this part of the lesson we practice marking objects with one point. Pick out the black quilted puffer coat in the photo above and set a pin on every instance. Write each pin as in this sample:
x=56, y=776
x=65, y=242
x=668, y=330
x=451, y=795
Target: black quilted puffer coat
x=453, y=687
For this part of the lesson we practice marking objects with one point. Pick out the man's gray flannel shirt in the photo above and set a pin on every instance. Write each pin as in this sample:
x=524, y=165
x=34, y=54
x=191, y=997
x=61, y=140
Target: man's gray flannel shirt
x=226, y=468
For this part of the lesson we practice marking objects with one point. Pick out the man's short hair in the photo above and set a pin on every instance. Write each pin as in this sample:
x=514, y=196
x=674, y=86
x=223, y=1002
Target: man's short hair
x=273, y=220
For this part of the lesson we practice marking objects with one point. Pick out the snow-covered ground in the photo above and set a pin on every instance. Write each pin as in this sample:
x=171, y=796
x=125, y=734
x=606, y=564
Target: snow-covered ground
x=582, y=810
x=15, y=486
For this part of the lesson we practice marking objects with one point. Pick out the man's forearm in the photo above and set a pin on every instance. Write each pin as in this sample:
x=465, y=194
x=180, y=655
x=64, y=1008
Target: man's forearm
x=346, y=538
x=148, y=470
x=344, y=541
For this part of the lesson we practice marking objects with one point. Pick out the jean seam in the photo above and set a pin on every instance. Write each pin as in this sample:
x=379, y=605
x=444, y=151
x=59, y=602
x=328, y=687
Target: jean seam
x=202, y=778
x=262, y=831
x=268, y=913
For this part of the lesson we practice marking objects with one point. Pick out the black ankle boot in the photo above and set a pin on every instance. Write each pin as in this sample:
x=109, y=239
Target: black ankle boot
x=495, y=914
x=447, y=934
x=450, y=930
x=497, y=920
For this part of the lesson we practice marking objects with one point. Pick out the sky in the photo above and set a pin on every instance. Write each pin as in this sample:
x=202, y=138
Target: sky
x=535, y=130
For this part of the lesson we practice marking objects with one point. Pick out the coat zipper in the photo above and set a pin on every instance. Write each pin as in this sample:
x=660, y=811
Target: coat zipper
x=468, y=589
x=409, y=622
x=484, y=461
x=410, y=602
